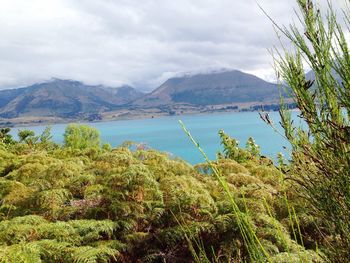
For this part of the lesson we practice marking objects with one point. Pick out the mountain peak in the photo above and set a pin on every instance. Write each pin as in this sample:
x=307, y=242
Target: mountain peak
x=59, y=80
x=209, y=71
x=210, y=88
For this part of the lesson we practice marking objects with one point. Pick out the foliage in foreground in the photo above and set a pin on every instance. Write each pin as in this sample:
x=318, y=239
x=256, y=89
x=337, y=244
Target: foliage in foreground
x=320, y=165
x=96, y=204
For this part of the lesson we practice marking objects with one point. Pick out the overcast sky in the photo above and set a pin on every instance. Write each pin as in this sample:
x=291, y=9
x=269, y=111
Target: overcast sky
x=136, y=42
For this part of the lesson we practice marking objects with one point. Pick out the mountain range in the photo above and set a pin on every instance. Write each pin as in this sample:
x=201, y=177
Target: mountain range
x=73, y=100
x=63, y=98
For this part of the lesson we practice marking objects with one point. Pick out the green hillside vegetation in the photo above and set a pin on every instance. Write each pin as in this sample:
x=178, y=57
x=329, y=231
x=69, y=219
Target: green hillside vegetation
x=84, y=203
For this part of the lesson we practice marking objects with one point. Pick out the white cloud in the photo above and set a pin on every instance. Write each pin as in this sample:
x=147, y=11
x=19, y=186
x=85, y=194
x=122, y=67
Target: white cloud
x=137, y=42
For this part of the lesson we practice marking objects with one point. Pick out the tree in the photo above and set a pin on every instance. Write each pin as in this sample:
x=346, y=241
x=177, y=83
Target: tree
x=46, y=136
x=5, y=136
x=320, y=165
x=81, y=137
x=27, y=136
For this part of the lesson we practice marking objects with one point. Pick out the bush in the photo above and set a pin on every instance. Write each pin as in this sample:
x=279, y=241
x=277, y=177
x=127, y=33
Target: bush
x=320, y=165
x=81, y=137
x=64, y=204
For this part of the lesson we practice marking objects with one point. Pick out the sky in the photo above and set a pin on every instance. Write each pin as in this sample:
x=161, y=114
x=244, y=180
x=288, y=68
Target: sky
x=136, y=42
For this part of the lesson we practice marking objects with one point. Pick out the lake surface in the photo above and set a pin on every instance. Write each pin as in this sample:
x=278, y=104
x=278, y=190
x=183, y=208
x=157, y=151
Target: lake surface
x=165, y=133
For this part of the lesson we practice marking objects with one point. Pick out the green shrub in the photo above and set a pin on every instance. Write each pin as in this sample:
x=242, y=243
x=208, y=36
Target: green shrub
x=81, y=137
x=320, y=165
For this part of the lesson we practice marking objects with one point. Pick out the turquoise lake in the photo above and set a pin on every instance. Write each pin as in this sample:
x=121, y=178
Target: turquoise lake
x=165, y=133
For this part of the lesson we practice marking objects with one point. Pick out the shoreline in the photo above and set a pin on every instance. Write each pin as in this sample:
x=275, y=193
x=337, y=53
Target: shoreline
x=135, y=117
x=129, y=118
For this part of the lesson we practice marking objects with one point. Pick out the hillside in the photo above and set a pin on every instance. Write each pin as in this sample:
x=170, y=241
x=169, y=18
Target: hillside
x=211, y=89
x=63, y=98
x=67, y=100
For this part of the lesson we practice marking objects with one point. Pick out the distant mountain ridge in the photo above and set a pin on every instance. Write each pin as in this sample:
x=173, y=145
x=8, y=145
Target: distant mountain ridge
x=73, y=100
x=63, y=98
x=211, y=89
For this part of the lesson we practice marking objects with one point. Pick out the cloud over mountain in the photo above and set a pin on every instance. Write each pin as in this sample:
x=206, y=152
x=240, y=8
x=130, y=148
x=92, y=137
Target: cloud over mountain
x=141, y=43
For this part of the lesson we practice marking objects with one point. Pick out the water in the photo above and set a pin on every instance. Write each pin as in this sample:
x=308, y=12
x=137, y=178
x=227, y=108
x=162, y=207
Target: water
x=165, y=134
